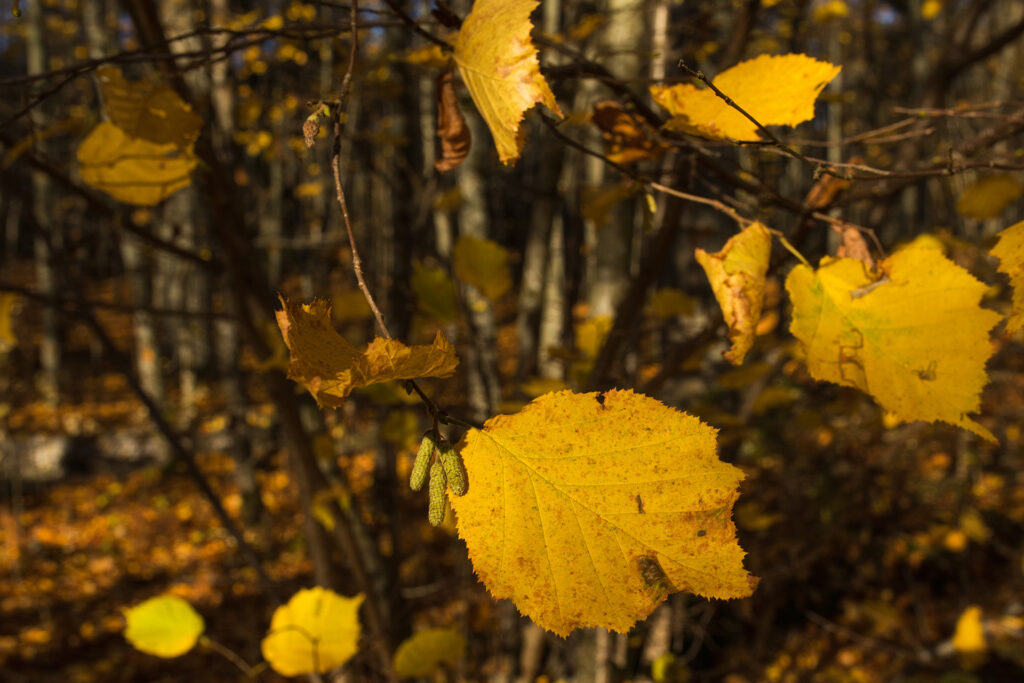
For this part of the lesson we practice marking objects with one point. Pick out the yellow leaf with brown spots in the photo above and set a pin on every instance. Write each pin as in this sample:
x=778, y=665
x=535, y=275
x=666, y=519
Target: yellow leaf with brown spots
x=330, y=367
x=588, y=509
x=916, y=338
x=499, y=66
x=737, y=276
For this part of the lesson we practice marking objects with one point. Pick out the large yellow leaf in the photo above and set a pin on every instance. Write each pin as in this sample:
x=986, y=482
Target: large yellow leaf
x=1010, y=252
x=737, y=276
x=498, y=63
x=482, y=263
x=316, y=631
x=164, y=626
x=148, y=110
x=916, y=340
x=587, y=510
x=778, y=90
x=133, y=170
x=426, y=651
x=330, y=367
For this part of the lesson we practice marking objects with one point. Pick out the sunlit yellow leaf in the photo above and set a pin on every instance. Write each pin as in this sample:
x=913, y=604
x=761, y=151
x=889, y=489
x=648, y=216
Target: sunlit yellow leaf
x=737, y=276
x=164, y=626
x=1010, y=252
x=778, y=90
x=930, y=9
x=916, y=339
x=435, y=293
x=483, y=264
x=148, y=110
x=989, y=196
x=969, y=637
x=588, y=509
x=425, y=651
x=498, y=63
x=830, y=10
x=316, y=631
x=132, y=170
x=330, y=367
x=430, y=55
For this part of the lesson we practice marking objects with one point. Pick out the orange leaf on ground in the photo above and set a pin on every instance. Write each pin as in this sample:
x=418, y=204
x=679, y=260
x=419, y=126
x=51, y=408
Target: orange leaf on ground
x=588, y=509
x=330, y=367
x=737, y=276
x=498, y=63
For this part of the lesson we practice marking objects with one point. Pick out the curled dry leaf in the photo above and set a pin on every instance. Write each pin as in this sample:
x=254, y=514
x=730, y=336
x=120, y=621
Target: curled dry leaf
x=853, y=245
x=737, y=276
x=627, y=140
x=587, y=509
x=498, y=63
x=451, y=125
x=916, y=339
x=330, y=367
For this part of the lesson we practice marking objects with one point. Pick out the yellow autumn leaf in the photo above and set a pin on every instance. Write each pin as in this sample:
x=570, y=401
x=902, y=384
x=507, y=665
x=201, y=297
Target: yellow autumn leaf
x=133, y=170
x=1010, y=252
x=737, y=276
x=989, y=196
x=498, y=63
x=916, y=339
x=483, y=264
x=668, y=302
x=148, y=110
x=426, y=651
x=7, y=338
x=588, y=509
x=165, y=626
x=775, y=90
x=435, y=293
x=330, y=367
x=316, y=631
x=969, y=637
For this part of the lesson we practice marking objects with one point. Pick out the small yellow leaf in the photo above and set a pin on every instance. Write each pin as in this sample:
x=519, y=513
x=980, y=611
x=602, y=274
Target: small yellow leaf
x=737, y=276
x=133, y=170
x=348, y=306
x=989, y=196
x=831, y=10
x=969, y=637
x=316, y=631
x=670, y=303
x=538, y=386
x=916, y=339
x=435, y=293
x=930, y=9
x=498, y=63
x=148, y=110
x=424, y=652
x=330, y=367
x=7, y=338
x=483, y=264
x=164, y=626
x=597, y=202
x=588, y=509
x=778, y=90
x=1010, y=252
x=431, y=56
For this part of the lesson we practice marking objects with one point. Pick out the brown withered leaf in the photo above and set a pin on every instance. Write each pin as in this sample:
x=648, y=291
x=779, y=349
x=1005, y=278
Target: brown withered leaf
x=627, y=140
x=853, y=245
x=330, y=368
x=451, y=125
